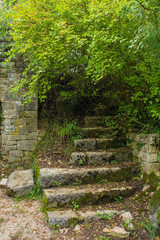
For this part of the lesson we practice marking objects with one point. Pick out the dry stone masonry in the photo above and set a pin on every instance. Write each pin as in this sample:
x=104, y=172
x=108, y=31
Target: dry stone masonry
x=146, y=150
x=19, y=122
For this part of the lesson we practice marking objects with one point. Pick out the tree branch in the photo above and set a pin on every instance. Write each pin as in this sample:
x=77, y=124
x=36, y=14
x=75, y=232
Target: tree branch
x=148, y=9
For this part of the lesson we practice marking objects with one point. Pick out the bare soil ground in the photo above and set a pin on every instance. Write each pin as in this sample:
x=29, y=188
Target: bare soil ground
x=23, y=220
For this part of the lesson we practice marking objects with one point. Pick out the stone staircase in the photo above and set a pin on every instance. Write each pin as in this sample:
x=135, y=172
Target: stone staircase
x=102, y=172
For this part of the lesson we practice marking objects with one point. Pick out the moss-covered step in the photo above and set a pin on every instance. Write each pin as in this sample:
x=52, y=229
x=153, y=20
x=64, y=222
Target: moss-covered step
x=86, y=194
x=63, y=176
x=96, y=121
x=98, y=132
x=100, y=157
x=89, y=144
x=66, y=218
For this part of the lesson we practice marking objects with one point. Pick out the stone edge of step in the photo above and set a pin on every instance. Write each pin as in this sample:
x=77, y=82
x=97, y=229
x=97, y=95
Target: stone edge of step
x=69, y=217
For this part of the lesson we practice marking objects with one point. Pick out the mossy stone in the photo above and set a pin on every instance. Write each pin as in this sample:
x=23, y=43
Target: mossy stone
x=155, y=201
x=158, y=217
x=152, y=179
x=87, y=198
x=73, y=221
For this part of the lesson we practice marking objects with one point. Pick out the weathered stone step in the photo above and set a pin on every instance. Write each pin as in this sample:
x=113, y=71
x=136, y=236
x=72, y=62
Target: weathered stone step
x=95, y=121
x=98, y=132
x=89, y=144
x=66, y=218
x=63, y=176
x=100, y=157
x=84, y=195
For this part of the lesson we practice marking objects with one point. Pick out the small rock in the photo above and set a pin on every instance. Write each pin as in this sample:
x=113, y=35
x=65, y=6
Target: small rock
x=20, y=182
x=77, y=228
x=3, y=182
x=60, y=218
x=117, y=232
x=145, y=188
x=127, y=217
x=130, y=226
x=64, y=230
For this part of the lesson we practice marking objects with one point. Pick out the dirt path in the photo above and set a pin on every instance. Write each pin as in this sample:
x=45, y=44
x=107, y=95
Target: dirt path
x=22, y=220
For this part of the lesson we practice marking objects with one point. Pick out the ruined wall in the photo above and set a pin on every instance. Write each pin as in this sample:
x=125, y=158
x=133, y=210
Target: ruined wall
x=146, y=150
x=19, y=123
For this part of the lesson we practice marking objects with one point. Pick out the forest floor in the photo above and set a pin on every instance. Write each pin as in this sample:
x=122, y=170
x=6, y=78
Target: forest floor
x=23, y=220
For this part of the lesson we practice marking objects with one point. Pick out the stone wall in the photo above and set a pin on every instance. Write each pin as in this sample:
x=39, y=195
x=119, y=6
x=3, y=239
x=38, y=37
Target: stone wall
x=146, y=150
x=19, y=122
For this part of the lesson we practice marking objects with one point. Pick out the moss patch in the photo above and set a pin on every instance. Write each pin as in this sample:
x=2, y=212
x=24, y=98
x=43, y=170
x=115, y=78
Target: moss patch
x=158, y=217
x=152, y=180
x=73, y=221
x=155, y=201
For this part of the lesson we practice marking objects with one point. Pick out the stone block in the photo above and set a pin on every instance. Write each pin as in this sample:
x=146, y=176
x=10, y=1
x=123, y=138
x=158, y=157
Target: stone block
x=144, y=138
x=8, y=105
x=8, y=112
x=78, y=157
x=148, y=157
x=15, y=137
x=26, y=154
x=63, y=176
x=85, y=144
x=90, y=194
x=19, y=183
x=33, y=106
x=12, y=77
x=103, y=143
x=117, y=232
x=11, y=147
x=32, y=136
x=30, y=114
x=19, y=106
x=27, y=145
x=31, y=121
x=150, y=167
x=14, y=159
x=62, y=219
x=3, y=182
x=9, y=128
x=16, y=153
x=28, y=129
x=26, y=159
x=150, y=148
x=94, y=121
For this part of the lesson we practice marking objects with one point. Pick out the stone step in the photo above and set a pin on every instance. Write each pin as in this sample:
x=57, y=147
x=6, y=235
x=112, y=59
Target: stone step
x=90, y=144
x=63, y=176
x=99, y=157
x=98, y=132
x=95, y=121
x=66, y=218
x=85, y=195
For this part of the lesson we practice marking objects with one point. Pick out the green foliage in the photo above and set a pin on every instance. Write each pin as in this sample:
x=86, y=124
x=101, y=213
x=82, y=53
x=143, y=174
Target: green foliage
x=112, y=124
x=75, y=205
x=105, y=216
x=118, y=199
x=126, y=224
x=58, y=184
x=55, y=226
x=70, y=132
x=35, y=193
x=1, y=220
x=16, y=198
x=81, y=162
x=86, y=52
x=152, y=232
